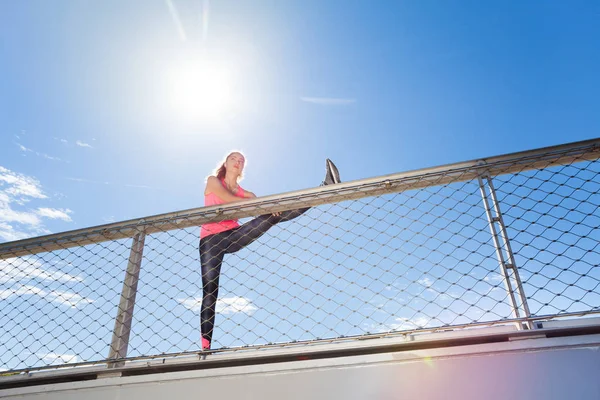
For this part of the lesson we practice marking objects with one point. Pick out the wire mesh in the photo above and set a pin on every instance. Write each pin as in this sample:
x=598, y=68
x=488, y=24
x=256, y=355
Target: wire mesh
x=59, y=307
x=553, y=218
x=367, y=262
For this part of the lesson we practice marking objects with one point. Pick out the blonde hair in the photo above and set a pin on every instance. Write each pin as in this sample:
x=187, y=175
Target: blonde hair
x=220, y=171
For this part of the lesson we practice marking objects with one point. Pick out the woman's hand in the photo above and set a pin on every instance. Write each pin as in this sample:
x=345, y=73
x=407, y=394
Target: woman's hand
x=250, y=195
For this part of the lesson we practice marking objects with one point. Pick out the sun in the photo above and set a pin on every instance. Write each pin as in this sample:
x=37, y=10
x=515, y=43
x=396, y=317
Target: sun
x=201, y=91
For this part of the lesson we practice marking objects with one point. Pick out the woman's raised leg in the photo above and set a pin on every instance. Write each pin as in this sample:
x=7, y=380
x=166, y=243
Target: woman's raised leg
x=245, y=234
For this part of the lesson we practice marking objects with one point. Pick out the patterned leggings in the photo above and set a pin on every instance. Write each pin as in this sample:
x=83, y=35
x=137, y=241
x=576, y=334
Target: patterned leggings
x=214, y=247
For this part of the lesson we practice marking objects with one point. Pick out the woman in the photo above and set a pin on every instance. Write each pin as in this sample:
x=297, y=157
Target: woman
x=224, y=237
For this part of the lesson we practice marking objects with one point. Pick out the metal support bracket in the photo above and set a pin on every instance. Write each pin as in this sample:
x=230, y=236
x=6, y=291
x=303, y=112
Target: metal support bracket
x=505, y=266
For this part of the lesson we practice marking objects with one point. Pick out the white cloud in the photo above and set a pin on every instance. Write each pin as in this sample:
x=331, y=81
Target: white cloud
x=17, y=275
x=329, y=101
x=16, y=190
x=427, y=282
x=9, y=233
x=493, y=278
x=7, y=214
x=440, y=294
x=82, y=144
x=402, y=324
x=21, y=185
x=23, y=148
x=47, y=157
x=82, y=180
x=21, y=291
x=25, y=268
x=65, y=141
x=55, y=358
x=227, y=305
x=194, y=304
x=54, y=213
x=68, y=299
x=234, y=305
x=37, y=153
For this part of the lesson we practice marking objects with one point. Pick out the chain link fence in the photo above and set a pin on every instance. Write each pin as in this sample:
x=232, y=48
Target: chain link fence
x=510, y=239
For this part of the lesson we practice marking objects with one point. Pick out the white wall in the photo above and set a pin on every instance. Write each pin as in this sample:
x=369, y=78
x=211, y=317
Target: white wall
x=538, y=368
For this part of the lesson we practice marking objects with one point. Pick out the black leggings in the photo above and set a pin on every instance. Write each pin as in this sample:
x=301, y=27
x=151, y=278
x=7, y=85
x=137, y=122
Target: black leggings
x=214, y=247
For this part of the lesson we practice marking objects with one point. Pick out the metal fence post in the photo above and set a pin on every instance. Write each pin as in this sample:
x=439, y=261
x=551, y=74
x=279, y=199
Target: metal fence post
x=120, y=338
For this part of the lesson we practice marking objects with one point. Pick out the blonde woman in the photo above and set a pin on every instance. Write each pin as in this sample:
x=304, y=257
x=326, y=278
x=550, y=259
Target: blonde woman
x=225, y=237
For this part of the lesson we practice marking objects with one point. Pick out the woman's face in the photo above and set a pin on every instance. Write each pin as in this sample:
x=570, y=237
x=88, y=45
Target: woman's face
x=235, y=163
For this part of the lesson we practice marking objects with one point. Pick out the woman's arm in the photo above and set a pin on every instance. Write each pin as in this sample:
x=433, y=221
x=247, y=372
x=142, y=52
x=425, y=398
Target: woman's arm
x=213, y=185
x=248, y=194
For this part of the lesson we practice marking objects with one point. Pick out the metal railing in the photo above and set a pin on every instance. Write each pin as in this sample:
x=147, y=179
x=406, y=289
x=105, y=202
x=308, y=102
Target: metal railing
x=507, y=239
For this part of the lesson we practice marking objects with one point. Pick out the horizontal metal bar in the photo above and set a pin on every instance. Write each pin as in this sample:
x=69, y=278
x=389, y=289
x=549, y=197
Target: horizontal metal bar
x=304, y=344
x=394, y=183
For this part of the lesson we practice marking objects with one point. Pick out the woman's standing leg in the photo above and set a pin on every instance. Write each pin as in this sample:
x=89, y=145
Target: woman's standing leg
x=211, y=258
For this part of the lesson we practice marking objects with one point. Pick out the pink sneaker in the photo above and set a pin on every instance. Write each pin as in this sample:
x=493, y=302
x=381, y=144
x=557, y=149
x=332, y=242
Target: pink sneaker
x=205, y=344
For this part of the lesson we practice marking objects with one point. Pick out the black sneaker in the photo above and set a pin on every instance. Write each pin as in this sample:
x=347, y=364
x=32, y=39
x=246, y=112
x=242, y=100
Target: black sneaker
x=332, y=175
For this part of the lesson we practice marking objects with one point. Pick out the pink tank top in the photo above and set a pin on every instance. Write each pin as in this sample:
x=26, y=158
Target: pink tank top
x=212, y=199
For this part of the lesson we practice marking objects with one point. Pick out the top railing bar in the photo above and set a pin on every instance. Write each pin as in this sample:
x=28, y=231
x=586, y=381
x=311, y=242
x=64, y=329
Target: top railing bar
x=393, y=183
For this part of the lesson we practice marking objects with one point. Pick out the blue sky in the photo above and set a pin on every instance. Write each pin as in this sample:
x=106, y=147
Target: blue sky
x=98, y=126
x=417, y=84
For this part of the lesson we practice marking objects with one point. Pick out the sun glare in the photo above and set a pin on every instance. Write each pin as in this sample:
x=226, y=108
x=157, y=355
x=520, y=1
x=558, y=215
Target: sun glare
x=201, y=92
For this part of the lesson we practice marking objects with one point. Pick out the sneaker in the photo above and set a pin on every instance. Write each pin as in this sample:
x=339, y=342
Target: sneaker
x=205, y=344
x=332, y=175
